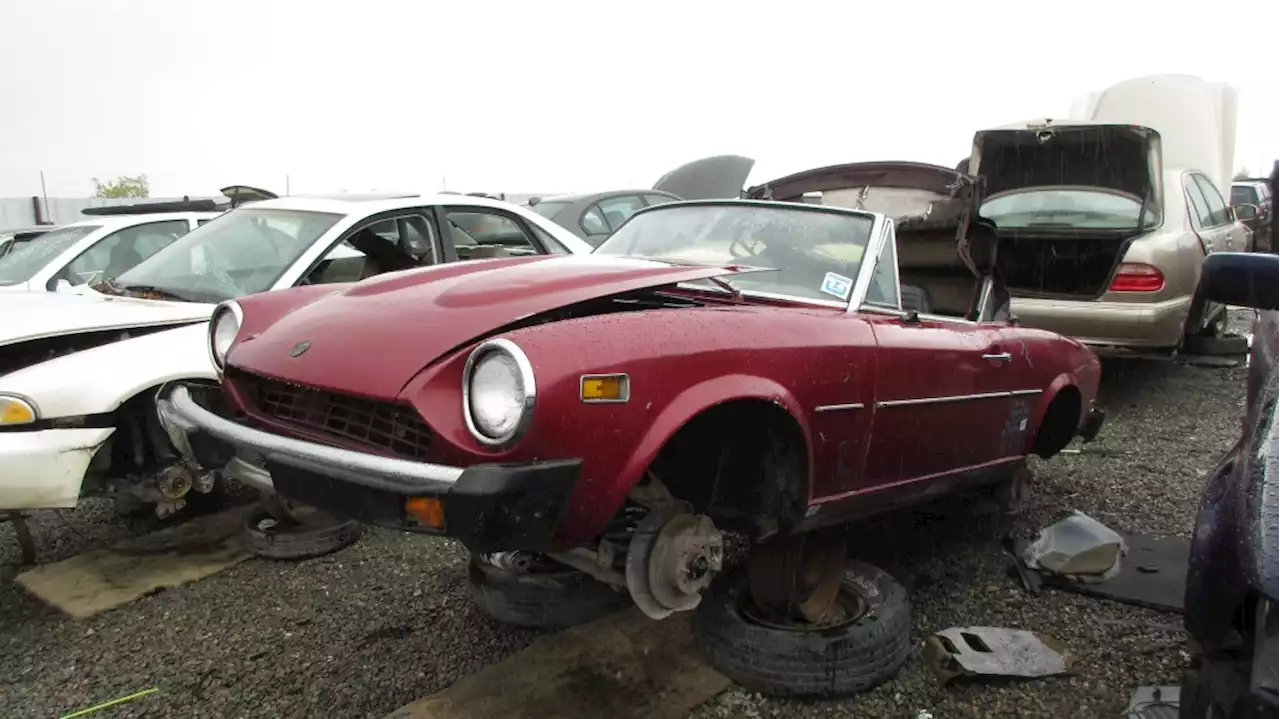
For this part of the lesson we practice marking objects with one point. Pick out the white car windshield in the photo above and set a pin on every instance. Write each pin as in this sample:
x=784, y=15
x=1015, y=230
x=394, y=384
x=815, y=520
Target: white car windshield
x=28, y=257
x=242, y=252
x=1067, y=208
x=814, y=252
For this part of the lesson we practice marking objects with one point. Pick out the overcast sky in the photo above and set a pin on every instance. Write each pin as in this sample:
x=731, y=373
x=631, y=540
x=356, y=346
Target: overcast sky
x=558, y=96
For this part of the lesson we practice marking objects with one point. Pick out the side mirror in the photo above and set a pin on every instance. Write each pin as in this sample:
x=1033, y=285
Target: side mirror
x=1245, y=212
x=1244, y=279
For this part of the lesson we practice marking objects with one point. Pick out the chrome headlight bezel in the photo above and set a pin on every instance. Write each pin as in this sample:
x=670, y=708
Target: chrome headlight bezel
x=530, y=392
x=25, y=402
x=225, y=311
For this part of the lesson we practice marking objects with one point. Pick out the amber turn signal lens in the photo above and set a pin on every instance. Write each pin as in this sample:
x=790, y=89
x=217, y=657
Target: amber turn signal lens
x=427, y=510
x=606, y=388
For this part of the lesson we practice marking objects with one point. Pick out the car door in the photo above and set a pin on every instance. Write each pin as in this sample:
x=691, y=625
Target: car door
x=1235, y=234
x=940, y=387
x=1209, y=217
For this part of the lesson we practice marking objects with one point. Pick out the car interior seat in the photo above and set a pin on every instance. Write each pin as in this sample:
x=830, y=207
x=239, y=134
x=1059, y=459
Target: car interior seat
x=123, y=257
x=916, y=298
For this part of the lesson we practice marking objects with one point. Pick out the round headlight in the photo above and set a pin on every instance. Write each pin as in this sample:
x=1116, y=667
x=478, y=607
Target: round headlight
x=223, y=329
x=499, y=392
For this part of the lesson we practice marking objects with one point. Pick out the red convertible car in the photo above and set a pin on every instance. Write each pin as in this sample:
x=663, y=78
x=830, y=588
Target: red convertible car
x=830, y=346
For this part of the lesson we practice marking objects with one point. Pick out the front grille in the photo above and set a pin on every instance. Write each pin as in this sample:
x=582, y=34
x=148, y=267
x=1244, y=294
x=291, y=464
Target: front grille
x=393, y=427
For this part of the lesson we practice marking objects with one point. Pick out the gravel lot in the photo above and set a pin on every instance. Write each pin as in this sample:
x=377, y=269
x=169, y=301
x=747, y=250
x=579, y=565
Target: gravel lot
x=387, y=621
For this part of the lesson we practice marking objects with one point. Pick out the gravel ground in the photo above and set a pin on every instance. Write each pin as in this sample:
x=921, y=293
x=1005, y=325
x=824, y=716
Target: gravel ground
x=388, y=620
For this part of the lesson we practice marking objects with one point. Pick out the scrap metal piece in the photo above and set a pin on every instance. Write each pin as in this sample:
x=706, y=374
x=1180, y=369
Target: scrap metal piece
x=994, y=651
x=1079, y=547
x=1154, y=703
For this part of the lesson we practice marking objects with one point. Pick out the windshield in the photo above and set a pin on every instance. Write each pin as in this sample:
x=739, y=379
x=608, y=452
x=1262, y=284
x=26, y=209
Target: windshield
x=28, y=257
x=815, y=253
x=1243, y=195
x=242, y=252
x=548, y=209
x=1066, y=208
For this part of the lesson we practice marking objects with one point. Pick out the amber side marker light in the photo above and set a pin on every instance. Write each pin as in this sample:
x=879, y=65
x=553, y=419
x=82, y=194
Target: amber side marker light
x=427, y=510
x=605, y=388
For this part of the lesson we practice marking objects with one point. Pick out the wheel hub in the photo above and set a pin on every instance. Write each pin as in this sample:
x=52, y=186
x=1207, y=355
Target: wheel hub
x=672, y=557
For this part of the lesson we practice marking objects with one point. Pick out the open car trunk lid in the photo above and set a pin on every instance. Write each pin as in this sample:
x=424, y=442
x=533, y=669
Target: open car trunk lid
x=711, y=178
x=1066, y=201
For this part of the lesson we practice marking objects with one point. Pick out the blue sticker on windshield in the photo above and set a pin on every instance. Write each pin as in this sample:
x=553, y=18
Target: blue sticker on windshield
x=837, y=285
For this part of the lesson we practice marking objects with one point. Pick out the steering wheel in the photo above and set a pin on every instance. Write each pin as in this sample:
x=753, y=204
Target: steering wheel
x=746, y=251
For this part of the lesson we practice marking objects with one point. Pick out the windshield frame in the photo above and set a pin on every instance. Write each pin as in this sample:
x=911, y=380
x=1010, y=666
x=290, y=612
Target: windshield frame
x=1145, y=206
x=861, y=283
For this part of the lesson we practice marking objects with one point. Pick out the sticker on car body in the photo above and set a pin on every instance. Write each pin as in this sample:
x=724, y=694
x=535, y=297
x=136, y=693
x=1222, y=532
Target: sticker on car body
x=837, y=285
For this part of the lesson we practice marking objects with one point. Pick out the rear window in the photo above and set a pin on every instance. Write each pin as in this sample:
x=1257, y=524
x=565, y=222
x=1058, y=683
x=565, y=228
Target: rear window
x=1067, y=209
x=1244, y=195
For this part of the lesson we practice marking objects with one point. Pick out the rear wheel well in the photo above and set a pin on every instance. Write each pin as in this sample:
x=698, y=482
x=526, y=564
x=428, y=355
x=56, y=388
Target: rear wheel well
x=1058, y=427
x=744, y=463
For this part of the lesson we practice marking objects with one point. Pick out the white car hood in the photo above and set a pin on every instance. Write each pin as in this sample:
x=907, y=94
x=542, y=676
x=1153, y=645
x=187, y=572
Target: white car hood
x=33, y=315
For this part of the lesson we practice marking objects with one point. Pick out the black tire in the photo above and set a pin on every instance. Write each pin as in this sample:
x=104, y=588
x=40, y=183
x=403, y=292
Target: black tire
x=808, y=664
x=549, y=599
x=315, y=535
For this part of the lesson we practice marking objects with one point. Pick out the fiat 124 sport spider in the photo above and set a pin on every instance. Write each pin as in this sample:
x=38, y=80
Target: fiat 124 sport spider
x=832, y=345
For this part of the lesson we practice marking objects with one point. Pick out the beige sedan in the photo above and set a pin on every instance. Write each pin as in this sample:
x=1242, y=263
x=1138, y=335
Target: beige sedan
x=1098, y=241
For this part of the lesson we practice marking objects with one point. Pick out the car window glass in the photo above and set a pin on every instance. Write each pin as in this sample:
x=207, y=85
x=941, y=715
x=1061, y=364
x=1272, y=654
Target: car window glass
x=479, y=233
x=593, y=221
x=388, y=245
x=1243, y=195
x=552, y=244
x=884, y=279
x=658, y=199
x=1199, y=207
x=1217, y=208
x=617, y=210
x=122, y=251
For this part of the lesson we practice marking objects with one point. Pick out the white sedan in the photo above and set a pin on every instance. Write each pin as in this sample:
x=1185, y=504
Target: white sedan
x=78, y=372
x=93, y=249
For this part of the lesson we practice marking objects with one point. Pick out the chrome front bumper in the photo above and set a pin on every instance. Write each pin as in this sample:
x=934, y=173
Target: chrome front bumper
x=489, y=507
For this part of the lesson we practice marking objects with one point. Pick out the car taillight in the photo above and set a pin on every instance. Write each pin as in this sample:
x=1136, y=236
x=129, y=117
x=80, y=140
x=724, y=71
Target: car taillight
x=1136, y=277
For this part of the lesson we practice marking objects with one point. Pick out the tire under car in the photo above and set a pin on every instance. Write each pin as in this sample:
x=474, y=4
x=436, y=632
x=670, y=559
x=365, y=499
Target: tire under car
x=814, y=662
x=310, y=533
x=541, y=594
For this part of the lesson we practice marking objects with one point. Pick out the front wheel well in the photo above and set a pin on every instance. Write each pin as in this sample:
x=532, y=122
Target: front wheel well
x=744, y=463
x=1060, y=422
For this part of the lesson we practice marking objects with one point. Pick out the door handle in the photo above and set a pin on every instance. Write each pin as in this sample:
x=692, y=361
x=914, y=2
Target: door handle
x=999, y=356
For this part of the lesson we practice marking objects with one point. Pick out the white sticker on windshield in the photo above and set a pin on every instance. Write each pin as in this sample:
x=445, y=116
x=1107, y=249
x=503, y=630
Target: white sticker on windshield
x=837, y=285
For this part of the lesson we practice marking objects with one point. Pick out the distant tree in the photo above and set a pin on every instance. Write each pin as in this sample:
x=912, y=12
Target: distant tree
x=1241, y=174
x=123, y=186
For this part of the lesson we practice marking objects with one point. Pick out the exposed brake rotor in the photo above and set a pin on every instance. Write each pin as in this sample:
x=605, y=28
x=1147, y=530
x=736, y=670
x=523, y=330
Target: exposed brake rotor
x=672, y=557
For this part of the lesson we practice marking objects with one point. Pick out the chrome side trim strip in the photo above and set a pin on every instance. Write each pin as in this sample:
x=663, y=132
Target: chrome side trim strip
x=838, y=407
x=956, y=398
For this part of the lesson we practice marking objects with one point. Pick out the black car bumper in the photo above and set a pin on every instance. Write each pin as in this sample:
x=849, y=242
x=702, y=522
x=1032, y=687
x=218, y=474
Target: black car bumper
x=488, y=507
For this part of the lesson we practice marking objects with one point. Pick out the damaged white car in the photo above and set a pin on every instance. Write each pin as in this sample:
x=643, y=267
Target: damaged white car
x=78, y=372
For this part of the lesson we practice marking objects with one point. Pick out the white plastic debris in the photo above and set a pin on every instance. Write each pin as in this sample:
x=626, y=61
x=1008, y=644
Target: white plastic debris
x=1079, y=547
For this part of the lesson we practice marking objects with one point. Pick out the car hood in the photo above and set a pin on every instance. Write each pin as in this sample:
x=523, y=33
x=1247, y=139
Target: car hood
x=1048, y=153
x=394, y=325
x=34, y=315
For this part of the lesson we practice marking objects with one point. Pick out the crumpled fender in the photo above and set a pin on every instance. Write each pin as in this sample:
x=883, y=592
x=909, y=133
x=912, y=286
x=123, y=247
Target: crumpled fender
x=99, y=380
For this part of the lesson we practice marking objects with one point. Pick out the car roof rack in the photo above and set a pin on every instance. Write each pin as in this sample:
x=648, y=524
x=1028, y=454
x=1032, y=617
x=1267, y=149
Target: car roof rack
x=186, y=204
